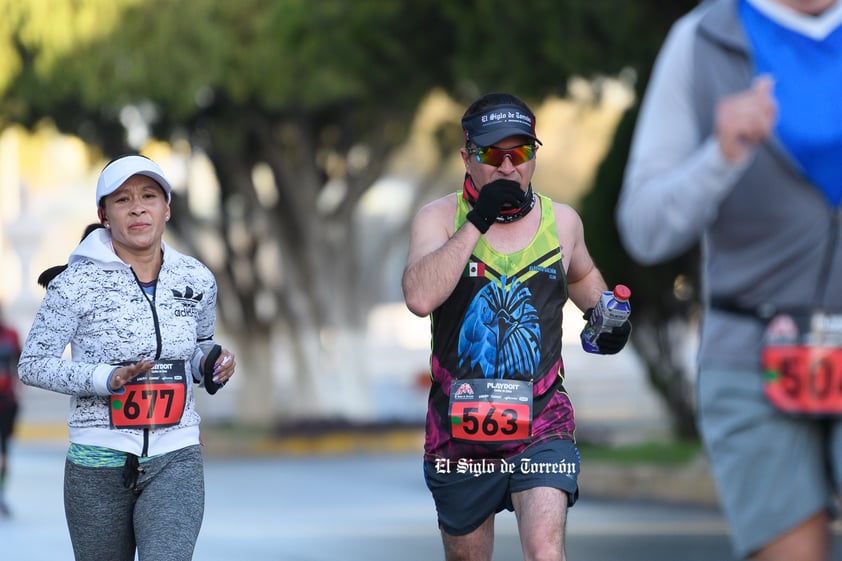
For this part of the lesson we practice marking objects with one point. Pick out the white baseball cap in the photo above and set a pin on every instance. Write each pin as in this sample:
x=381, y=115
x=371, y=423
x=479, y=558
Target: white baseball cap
x=120, y=169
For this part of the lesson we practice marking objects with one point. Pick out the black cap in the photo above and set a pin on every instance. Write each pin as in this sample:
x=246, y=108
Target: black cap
x=496, y=123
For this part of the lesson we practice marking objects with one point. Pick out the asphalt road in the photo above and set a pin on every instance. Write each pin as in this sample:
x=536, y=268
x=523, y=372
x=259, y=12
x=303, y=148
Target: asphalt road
x=351, y=507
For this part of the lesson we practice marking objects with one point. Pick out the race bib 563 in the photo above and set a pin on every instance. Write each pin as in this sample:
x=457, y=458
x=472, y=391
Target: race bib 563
x=491, y=410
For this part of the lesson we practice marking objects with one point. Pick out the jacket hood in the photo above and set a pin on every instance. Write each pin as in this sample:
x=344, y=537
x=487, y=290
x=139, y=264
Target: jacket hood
x=97, y=247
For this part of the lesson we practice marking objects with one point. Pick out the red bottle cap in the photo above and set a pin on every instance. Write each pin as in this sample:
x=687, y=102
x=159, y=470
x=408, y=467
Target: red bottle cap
x=622, y=292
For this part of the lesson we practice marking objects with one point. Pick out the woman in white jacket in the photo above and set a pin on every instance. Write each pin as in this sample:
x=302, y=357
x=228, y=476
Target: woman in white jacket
x=139, y=318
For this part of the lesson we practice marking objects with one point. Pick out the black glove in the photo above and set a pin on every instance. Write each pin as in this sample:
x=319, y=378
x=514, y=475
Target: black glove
x=612, y=342
x=207, y=369
x=491, y=200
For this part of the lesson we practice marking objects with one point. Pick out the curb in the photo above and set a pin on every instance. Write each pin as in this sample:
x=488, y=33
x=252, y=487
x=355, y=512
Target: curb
x=684, y=484
x=40, y=431
x=221, y=443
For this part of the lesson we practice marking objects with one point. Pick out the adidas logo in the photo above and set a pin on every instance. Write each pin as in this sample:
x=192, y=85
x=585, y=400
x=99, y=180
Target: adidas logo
x=188, y=297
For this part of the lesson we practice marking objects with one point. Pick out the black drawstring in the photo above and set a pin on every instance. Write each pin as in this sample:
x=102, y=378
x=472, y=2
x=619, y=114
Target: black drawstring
x=131, y=471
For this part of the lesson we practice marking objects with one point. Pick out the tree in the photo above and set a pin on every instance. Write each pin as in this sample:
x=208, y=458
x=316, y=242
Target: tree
x=306, y=90
x=665, y=297
x=298, y=106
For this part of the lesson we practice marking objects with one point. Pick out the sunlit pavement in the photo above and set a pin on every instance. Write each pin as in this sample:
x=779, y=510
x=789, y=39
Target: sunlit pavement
x=348, y=507
x=334, y=498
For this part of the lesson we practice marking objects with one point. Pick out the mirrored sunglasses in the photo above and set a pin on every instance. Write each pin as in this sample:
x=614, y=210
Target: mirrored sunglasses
x=493, y=156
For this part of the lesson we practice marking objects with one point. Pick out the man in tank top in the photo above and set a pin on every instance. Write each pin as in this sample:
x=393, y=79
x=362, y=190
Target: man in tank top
x=492, y=266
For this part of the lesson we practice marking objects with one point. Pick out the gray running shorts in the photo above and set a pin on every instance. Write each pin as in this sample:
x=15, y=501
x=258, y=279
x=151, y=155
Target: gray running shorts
x=772, y=470
x=467, y=493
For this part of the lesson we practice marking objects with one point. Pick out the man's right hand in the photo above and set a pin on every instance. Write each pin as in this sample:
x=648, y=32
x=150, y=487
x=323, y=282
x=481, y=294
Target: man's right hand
x=491, y=200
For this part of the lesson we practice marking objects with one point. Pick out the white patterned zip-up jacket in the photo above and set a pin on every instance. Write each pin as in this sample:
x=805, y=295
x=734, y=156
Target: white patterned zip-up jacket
x=98, y=307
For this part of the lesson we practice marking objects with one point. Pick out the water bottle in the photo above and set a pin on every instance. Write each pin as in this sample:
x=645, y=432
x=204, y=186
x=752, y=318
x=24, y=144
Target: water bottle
x=611, y=311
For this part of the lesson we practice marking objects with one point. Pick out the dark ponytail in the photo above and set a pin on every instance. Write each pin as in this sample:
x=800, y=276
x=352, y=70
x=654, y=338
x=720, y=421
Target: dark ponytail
x=49, y=274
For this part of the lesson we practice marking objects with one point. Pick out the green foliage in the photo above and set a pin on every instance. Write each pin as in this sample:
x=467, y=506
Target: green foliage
x=533, y=48
x=299, y=86
x=661, y=294
x=668, y=452
x=285, y=55
x=652, y=286
x=180, y=55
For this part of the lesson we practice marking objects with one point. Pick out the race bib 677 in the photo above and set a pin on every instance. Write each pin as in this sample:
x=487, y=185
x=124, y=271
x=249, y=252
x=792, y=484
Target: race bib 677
x=153, y=400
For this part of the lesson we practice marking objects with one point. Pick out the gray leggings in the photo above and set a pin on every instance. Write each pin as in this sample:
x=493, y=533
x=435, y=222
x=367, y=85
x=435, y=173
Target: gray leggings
x=160, y=517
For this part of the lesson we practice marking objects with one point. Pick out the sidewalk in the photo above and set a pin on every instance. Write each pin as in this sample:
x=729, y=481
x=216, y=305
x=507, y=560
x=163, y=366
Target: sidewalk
x=348, y=506
x=41, y=424
x=682, y=484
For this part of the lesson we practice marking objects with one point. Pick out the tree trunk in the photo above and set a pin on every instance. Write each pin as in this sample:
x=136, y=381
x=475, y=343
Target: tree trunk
x=662, y=347
x=256, y=379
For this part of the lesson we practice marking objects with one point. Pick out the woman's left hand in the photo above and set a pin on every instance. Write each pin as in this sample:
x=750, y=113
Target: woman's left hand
x=224, y=367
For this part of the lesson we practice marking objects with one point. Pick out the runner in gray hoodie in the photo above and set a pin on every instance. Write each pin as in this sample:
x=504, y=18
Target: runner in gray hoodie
x=738, y=146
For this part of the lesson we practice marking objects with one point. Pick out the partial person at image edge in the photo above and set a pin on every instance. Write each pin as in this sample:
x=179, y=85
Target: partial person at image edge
x=9, y=356
x=738, y=146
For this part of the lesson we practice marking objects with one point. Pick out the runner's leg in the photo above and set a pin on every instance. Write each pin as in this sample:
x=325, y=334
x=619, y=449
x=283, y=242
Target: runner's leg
x=8, y=414
x=541, y=517
x=170, y=507
x=809, y=541
x=465, y=506
x=8, y=410
x=476, y=546
x=4, y=509
x=98, y=507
